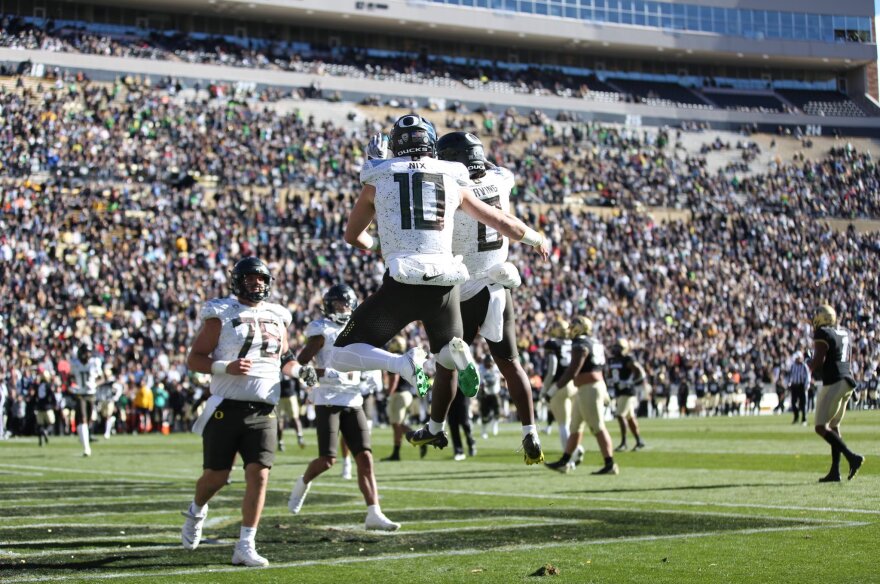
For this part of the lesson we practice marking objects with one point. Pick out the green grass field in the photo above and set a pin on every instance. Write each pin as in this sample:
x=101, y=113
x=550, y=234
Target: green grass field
x=710, y=500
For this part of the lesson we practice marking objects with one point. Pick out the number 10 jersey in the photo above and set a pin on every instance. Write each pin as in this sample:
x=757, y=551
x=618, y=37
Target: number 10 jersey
x=415, y=203
x=249, y=332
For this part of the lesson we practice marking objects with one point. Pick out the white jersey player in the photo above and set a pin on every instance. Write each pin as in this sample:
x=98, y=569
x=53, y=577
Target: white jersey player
x=338, y=412
x=242, y=343
x=413, y=198
x=86, y=372
x=486, y=302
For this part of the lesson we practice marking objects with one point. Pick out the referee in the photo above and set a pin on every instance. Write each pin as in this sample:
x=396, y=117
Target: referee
x=798, y=381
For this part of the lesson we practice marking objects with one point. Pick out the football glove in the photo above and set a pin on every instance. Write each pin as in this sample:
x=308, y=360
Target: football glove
x=377, y=148
x=308, y=375
x=505, y=274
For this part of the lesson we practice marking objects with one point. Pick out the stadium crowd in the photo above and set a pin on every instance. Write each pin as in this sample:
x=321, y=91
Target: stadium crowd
x=107, y=238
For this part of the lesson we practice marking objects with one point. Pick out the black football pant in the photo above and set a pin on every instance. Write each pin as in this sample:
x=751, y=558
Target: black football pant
x=799, y=402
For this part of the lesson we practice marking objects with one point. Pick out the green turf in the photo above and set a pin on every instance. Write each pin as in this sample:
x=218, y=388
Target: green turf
x=710, y=500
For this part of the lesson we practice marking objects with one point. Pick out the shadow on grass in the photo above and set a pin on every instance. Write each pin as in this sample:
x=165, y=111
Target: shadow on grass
x=681, y=488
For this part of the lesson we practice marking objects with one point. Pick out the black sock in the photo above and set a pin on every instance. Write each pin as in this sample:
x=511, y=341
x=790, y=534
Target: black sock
x=837, y=442
x=638, y=438
x=835, y=461
x=609, y=461
x=565, y=457
x=396, y=450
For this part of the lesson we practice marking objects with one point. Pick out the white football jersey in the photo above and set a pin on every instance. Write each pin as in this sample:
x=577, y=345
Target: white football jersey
x=249, y=332
x=481, y=246
x=85, y=375
x=415, y=203
x=335, y=388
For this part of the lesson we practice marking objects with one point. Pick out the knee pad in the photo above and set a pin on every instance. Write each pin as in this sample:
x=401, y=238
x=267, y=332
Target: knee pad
x=444, y=357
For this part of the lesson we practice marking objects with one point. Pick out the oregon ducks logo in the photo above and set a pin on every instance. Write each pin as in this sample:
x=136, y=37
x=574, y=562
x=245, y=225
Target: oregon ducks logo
x=218, y=415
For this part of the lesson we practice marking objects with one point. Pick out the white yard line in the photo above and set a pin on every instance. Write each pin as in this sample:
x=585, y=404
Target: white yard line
x=416, y=555
x=126, y=537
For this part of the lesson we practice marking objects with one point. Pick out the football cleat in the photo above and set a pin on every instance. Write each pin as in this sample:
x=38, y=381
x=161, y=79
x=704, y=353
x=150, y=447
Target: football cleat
x=390, y=458
x=607, y=470
x=423, y=437
x=831, y=477
x=298, y=495
x=560, y=465
x=423, y=451
x=191, y=534
x=854, y=465
x=621, y=447
x=301, y=440
x=468, y=376
x=531, y=447
x=415, y=375
x=459, y=456
x=639, y=446
x=378, y=522
x=246, y=554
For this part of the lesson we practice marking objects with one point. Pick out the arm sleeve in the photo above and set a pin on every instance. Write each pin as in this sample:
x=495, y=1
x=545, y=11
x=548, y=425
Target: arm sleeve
x=552, y=365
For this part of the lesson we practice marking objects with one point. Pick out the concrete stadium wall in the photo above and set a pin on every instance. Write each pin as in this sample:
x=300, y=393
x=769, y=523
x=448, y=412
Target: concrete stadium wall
x=108, y=68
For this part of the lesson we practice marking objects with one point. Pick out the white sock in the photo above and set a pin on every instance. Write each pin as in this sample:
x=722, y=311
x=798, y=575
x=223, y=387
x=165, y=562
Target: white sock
x=495, y=428
x=346, y=461
x=83, y=431
x=364, y=357
x=247, y=534
x=529, y=429
x=198, y=510
x=108, y=425
x=436, y=427
x=563, y=434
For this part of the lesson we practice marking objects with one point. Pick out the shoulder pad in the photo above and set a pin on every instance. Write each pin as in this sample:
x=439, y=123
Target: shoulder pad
x=214, y=308
x=283, y=313
x=372, y=168
x=316, y=328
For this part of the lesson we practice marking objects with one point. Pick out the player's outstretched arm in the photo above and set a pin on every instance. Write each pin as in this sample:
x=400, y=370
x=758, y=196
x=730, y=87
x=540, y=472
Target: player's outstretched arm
x=504, y=223
x=359, y=220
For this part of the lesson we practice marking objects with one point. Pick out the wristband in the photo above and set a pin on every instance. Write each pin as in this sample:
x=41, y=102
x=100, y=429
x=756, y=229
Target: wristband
x=532, y=237
x=219, y=367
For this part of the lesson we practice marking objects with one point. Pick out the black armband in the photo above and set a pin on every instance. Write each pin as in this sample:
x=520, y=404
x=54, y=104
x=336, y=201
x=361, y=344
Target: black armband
x=287, y=358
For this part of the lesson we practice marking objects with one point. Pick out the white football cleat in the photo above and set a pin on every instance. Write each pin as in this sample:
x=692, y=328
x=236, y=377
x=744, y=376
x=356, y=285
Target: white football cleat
x=298, y=495
x=246, y=554
x=378, y=522
x=414, y=373
x=191, y=534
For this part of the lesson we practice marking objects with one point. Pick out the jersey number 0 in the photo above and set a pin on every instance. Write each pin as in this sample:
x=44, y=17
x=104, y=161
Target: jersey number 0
x=419, y=180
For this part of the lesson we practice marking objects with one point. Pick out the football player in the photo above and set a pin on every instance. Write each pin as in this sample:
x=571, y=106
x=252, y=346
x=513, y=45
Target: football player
x=400, y=400
x=86, y=371
x=45, y=404
x=338, y=408
x=108, y=395
x=832, y=349
x=486, y=303
x=413, y=198
x=490, y=398
x=243, y=343
x=557, y=357
x=587, y=363
x=627, y=377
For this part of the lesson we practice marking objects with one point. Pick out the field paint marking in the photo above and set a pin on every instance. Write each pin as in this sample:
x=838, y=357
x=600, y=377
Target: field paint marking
x=126, y=537
x=26, y=503
x=95, y=471
x=22, y=473
x=586, y=496
x=417, y=555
